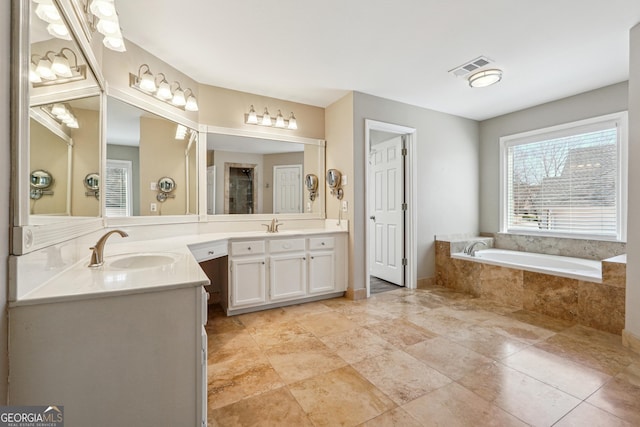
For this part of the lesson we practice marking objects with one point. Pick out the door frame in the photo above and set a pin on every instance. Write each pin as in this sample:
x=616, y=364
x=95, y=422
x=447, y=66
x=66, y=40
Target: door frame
x=411, y=197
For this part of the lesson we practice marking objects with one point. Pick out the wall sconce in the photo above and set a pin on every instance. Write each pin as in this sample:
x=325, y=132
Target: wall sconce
x=49, y=13
x=265, y=119
x=311, y=182
x=62, y=114
x=171, y=94
x=102, y=17
x=41, y=180
x=44, y=71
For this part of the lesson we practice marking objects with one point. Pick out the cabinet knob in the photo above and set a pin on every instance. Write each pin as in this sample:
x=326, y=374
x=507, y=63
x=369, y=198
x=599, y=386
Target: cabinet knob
x=313, y=258
x=304, y=258
x=249, y=248
x=211, y=252
x=262, y=262
x=322, y=243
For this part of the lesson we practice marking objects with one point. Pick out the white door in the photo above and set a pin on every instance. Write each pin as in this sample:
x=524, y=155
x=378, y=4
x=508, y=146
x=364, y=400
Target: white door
x=287, y=189
x=386, y=197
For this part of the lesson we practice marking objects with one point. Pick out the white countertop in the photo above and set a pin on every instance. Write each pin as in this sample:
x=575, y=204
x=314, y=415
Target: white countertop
x=81, y=282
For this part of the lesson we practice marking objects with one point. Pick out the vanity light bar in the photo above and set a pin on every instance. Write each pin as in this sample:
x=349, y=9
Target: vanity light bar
x=45, y=71
x=102, y=17
x=62, y=114
x=251, y=118
x=172, y=94
x=50, y=14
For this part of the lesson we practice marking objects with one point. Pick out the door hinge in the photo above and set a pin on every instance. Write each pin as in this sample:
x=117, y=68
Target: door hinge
x=405, y=207
x=404, y=152
x=404, y=261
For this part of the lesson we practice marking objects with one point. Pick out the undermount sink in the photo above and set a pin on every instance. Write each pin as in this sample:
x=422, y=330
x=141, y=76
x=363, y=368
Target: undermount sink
x=140, y=261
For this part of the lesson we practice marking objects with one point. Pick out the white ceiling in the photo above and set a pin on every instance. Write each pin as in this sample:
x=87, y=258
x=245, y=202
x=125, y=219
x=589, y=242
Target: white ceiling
x=315, y=52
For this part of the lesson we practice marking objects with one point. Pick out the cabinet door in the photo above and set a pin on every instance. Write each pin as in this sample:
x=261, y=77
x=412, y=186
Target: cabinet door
x=322, y=276
x=288, y=276
x=248, y=281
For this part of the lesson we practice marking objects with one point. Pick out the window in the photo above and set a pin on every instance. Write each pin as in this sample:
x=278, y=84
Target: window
x=118, y=188
x=569, y=180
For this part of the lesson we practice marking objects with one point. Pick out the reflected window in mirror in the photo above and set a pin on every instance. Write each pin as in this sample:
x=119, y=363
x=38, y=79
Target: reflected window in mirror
x=253, y=175
x=142, y=147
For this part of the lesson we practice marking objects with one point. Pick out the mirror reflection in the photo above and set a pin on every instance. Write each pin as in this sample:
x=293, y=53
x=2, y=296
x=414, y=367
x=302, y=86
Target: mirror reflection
x=250, y=175
x=64, y=138
x=143, y=148
x=64, y=141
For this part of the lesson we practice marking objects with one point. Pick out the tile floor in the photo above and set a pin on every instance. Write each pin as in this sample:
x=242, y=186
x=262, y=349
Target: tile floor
x=416, y=358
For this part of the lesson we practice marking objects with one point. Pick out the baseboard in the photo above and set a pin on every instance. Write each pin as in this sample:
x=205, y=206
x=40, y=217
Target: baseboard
x=630, y=341
x=356, y=294
x=426, y=282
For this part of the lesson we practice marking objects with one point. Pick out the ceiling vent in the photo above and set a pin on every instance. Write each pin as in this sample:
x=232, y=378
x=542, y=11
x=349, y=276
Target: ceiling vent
x=471, y=66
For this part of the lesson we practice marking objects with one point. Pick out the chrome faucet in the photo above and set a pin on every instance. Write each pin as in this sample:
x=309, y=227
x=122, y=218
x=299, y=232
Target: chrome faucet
x=273, y=226
x=471, y=248
x=97, y=257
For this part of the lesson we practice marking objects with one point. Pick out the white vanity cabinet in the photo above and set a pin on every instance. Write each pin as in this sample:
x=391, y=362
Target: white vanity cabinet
x=288, y=269
x=247, y=267
x=298, y=269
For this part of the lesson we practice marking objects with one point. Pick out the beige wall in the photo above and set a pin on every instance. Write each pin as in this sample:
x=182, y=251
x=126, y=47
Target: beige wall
x=633, y=234
x=269, y=161
x=610, y=99
x=161, y=155
x=226, y=108
x=118, y=65
x=339, y=155
x=5, y=181
x=86, y=160
x=49, y=152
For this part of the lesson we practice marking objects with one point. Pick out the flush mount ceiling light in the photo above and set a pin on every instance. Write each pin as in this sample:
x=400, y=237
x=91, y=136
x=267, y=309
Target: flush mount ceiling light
x=158, y=87
x=485, y=78
x=252, y=118
x=55, y=68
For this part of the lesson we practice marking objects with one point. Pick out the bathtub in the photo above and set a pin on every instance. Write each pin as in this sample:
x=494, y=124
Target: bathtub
x=573, y=268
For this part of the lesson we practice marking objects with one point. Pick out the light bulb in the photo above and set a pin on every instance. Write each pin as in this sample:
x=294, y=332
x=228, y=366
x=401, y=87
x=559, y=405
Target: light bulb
x=164, y=91
x=33, y=74
x=103, y=8
x=181, y=132
x=293, y=123
x=266, y=118
x=114, y=43
x=58, y=109
x=252, y=118
x=44, y=69
x=59, y=31
x=147, y=82
x=108, y=27
x=192, y=104
x=279, y=120
x=73, y=123
x=48, y=13
x=61, y=66
x=178, y=98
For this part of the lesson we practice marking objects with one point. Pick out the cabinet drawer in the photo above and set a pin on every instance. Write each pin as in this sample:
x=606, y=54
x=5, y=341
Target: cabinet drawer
x=247, y=248
x=321, y=243
x=286, y=245
x=207, y=251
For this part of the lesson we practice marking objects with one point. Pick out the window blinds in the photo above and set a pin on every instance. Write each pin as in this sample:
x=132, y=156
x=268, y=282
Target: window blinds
x=565, y=184
x=117, y=189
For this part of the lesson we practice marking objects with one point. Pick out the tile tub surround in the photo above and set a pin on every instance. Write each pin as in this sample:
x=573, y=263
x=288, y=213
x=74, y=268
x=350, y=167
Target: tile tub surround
x=416, y=358
x=598, y=305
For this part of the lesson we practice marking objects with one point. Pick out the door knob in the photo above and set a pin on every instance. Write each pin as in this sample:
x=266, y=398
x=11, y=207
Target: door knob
x=373, y=217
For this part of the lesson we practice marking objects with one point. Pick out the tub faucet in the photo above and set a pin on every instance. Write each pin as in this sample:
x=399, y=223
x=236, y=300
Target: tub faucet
x=471, y=248
x=273, y=226
x=97, y=257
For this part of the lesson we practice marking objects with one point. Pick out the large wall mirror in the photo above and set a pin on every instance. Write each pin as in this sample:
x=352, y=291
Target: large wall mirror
x=254, y=174
x=142, y=149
